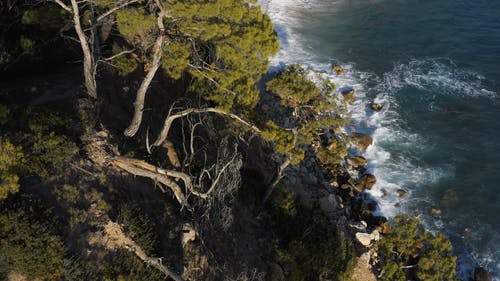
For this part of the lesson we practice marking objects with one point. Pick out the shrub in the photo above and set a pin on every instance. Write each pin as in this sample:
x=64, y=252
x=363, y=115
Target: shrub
x=47, y=149
x=140, y=227
x=409, y=252
x=312, y=248
x=11, y=158
x=30, y=244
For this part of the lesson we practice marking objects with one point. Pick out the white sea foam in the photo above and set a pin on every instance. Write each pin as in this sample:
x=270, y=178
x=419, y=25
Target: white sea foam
x=389, y=157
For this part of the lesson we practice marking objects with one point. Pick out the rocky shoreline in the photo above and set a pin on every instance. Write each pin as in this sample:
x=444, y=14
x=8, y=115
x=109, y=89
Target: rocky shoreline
x=339, y=191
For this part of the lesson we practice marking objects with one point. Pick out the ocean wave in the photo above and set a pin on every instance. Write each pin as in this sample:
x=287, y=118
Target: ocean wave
x=439, y=75
x=394, y=155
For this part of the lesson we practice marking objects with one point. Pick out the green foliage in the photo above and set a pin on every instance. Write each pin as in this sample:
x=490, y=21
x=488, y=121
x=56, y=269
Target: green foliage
x=411, y=251
x=4, y=112
x=30, y=245
x=11, y=158
x=313, y=115
x=47, y=151
x=311, y=247
x=293, y=87
x=27, y=45
x=5, y=56
x=67, y=193
x=140, y=227
x=230, y=42
x=125, y=266
x=282, y=139
x=334, y=152
x=45, y=16
x=175, y=58
x=125, y=65
x=135, y=24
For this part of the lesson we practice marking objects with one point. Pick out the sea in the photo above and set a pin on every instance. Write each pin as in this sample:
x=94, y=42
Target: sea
x=434, y=66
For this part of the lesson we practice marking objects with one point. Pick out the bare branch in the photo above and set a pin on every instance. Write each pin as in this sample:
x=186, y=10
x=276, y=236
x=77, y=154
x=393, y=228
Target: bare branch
x=216, y=181
x=171, y=118
x=64, y=6
x=115, y=232
x=143, y=169
x=119, y=54
x=101, y=17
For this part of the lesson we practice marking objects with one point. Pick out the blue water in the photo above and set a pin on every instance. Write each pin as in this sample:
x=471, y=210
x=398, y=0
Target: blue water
x=435, y=66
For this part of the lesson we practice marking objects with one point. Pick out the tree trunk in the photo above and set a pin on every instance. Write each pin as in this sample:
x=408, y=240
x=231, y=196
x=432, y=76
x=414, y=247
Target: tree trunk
x=141, y=92
x=170, y=119
x=88, y=58
x=276, y=180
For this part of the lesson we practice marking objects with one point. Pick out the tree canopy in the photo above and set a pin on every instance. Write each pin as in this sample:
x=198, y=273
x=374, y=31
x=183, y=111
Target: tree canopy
x=409, y=252
x=223, y=44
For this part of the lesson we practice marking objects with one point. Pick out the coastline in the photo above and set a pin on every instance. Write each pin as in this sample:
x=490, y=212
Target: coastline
x=368, y=203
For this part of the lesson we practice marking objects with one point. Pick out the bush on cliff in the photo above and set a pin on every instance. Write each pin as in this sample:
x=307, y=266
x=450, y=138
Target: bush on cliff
x=411, y=253
x=311, y=247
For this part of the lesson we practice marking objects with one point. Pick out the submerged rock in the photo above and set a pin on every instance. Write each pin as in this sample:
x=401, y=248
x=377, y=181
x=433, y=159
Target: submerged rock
x=480, y=274
x=436, y=212
x=401, y=192
x=450, y=198
x=357, y=161
x=339, y=70
x=348, y=95
x=376, y=106
x=361, y=141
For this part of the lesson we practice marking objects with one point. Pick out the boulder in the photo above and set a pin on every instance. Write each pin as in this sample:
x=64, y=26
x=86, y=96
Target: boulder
x=436, y=212
x=346, y=186
x=376, y=106
x=450, y=198
x=348, y=95
x=361, y=141
x=480, y=274
x=357, y=161
x=358, y=226
x=384, y=228
x=339, y=70
x=375, y=235
x=364, y=238
x=329, y=203
x=401, y=192
x=367, y=181
x=384, y=193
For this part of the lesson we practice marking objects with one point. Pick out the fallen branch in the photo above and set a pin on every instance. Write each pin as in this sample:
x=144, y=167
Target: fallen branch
x=115, y=232
x=144, y=169
x=171, y=118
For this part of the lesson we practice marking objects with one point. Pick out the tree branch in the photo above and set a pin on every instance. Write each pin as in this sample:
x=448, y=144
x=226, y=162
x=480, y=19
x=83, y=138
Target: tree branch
x=64, y=6
x=101, y=17
x=141, y=92
x=143, y=169
x=171, y=118
x=115, y=232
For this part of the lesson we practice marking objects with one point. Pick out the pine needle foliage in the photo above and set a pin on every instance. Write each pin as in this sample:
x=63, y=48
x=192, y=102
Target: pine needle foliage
x=409, y=252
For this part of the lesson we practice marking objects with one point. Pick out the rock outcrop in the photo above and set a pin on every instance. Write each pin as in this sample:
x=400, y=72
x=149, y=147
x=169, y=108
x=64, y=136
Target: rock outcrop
x=339, y=70
x=361, y=141
x=376, y=106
